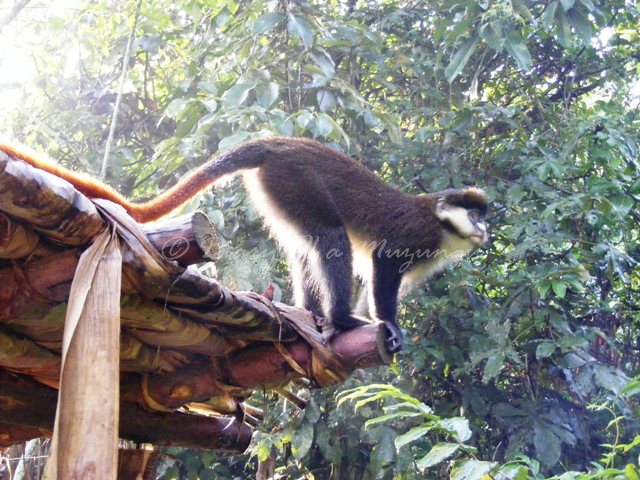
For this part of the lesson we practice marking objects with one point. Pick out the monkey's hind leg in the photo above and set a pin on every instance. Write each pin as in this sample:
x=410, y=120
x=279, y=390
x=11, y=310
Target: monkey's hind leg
x=306, y=287
x=330, y=265
x=305, y=291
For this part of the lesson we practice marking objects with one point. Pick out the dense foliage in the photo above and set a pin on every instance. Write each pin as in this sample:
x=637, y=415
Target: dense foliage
x=519, y=360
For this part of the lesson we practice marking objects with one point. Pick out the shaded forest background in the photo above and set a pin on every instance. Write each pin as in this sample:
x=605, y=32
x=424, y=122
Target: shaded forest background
x=523, y=361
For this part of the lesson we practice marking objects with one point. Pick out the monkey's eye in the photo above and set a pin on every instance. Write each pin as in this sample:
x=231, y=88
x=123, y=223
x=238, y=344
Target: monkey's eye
x=474, y=216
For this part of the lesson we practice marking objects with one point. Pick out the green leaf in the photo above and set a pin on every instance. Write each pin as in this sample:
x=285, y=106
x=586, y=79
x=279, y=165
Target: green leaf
x=304, y=118
x=564, y=30
x=494, y=37
x=389, y=417
x=559, y=288
x=378, y=391
x=461, y=58
x=472, y=470
x=302, y=440
x=571, y=341
x=439, y=453
x=326, y=100
x=631, y=472
x=231, y=141
x=327, y=443
x=323, y=60
x=326, y=126
x=493, y=367
x=581, y=24
x=520, y=7
x=390, y=123
x=590, y=6
x=548, y=448
x=383, y=451
x=312, y=413
x=458, y=427
x=232, y=6
x=237, y=94
x=518, y=50
x=300, y=28
x=175, y=107
x=549, y=15
x=267, y=22
x=572, y=360
x=323, y=126
x=267, y=94
x=543, y=288
x=567, y=4
x=412, y=435
x=631, y=388
x=622, y=205
x=545, y=349
x=512, y=472
x=610, y=378
x=263, y=448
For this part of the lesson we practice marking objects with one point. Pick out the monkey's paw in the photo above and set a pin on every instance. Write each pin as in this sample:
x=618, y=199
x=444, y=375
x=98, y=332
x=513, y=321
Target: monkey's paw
x=327, y=330
x=393, y=343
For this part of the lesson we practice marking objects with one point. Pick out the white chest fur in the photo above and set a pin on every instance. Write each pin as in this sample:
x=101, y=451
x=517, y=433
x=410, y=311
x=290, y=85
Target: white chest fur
x=415, y=266
x=454, y=250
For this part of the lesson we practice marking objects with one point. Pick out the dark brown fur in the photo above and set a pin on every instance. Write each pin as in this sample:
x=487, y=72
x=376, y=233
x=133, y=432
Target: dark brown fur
x=323, y=207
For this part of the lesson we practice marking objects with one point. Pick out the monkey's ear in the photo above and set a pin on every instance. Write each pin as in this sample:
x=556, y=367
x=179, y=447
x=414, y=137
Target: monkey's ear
x=448, y=213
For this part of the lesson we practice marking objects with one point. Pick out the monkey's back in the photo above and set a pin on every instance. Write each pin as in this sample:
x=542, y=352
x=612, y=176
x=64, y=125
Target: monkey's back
x=302, y=184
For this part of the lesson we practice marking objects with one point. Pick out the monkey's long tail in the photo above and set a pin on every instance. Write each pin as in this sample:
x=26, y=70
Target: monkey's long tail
x=248, y=155
x=87, y=185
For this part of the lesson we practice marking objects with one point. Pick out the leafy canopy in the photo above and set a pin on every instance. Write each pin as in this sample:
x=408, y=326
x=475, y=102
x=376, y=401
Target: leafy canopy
x=532, y=340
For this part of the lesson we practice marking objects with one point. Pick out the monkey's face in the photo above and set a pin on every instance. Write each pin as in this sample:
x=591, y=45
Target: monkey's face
x=479, y=229
x=466, y=223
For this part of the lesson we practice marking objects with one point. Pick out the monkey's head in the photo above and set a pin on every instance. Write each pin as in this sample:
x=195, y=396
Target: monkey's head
x=462, y=213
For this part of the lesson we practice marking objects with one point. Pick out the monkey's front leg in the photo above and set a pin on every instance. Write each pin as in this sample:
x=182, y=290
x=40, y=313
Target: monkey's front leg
x=383, y=301
x=393, y=342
